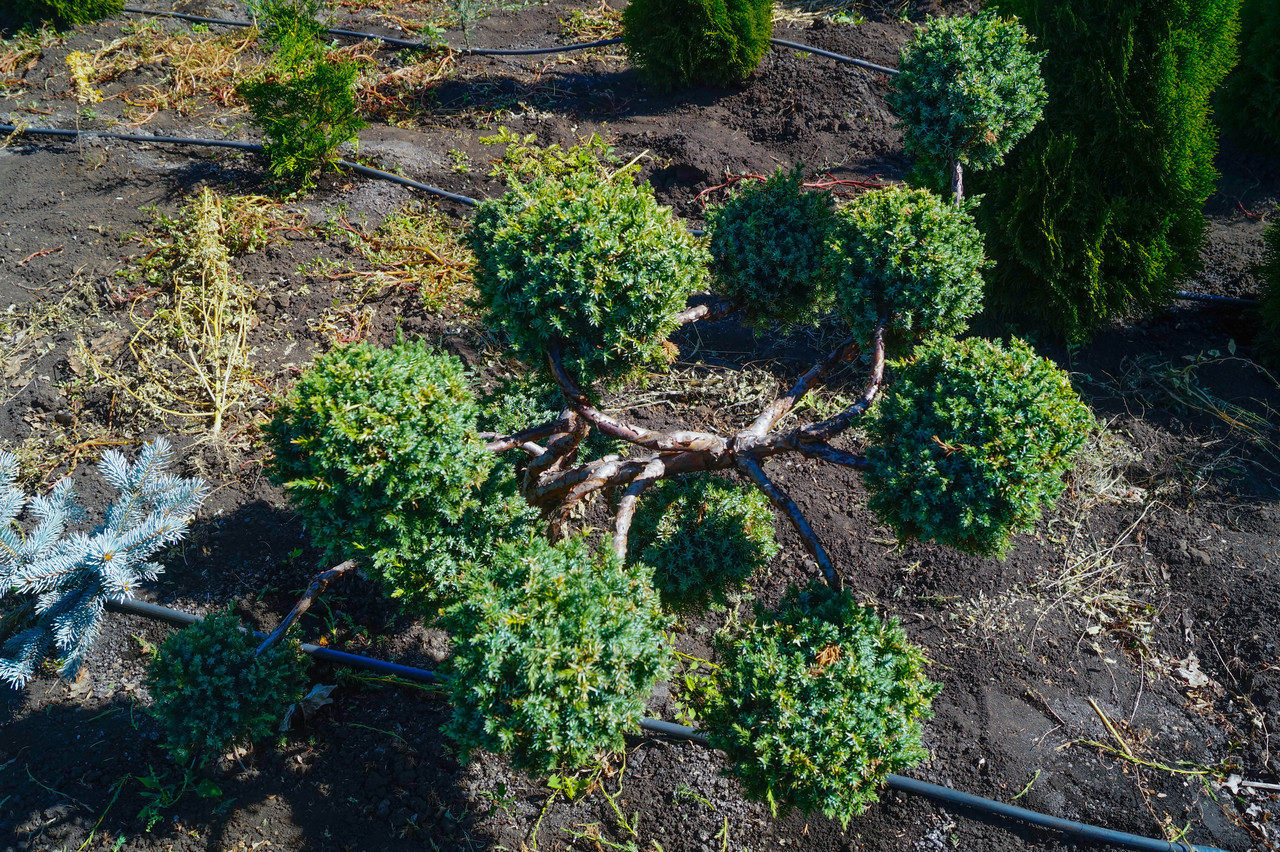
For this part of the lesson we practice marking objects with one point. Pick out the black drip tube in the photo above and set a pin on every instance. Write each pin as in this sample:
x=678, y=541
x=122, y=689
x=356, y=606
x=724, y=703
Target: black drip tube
x=945, y=795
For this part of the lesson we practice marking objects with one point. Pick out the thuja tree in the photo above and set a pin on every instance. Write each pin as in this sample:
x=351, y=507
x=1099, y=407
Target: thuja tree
x=1098, y=211
x=304, y=101
x=55, y=581
x=679, y=42
x=1249, y=102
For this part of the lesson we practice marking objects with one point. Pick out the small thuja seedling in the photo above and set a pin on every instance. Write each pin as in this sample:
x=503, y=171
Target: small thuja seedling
x=56, y=582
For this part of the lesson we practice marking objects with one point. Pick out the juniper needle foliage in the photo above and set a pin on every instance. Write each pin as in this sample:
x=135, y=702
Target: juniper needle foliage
x=815, y=704
x=211, y=691
x=971, y=442
x=768, y=250
x=589, y=265
x=57, y=581
x=554, y=655
x=378, y=451
x=701, y=535
x=968, y=89
x=678, y=42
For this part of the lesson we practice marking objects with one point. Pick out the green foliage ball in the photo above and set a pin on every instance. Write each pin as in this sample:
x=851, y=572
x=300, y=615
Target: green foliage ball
x=970, y=442
x=62, y=13
x=968, y=90
x=588, y=264
x=554, y=655
x=768, y=250
x=701, y=534
x=815, y=704
x=211, y=691
x=1269, y=337
x=676, y=43
x=908, y=256
x=1249, y=101
x=1100, y=210
x=379, y=453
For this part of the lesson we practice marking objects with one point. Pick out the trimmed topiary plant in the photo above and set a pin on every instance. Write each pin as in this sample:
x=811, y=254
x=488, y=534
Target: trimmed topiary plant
x=817, y=703
x=63, y=13
x=555, y=654
x=379, y=453
x=971, y=442
x=1268, y=345
x=212, y=691
x=906, y=256
x=967, y=90
x=768, y=247
x=591, y=267
x=1099, y=211
x=701, y=535
x=679, y=42
x=1249, y=101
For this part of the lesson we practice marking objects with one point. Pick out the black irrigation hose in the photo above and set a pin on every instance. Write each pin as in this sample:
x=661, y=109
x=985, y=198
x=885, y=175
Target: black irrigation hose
x=1224, y=301
x=937, y=792
x=394, y=42
x=838, y=57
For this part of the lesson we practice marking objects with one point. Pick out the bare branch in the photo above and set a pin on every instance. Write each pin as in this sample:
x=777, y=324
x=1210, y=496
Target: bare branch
x=627, y=505
x=499, y=443
x=783, y=404
x=304, y=603
x=827, y=429
x=711, y=311
x=785, y=504
x=562, y=447
x=828, y=453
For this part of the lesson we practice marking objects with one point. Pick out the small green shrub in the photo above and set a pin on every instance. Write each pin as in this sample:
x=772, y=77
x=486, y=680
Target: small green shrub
x=554, y=655
x=587, y=264
x=378, y=451
x=60, y=12
x=1268, y=345
x=907, y=255
x=701, y=534
x=678, y=42
x=211, y=692
x=970, y=442
x=1100, y=210
x=815, y=704
x=305, y=102
x=968, y=90
x=1249, y=102
x=768, y=250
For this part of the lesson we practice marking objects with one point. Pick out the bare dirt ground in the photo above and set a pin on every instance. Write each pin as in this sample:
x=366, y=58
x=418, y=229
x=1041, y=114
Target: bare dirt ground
x=1121, y=667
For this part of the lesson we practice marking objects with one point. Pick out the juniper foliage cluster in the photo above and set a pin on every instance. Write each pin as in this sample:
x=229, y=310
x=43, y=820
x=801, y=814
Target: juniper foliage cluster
x=212, y=691
x=57, y=580
x=61, y=12
x=590, y=265
x=1249, y=102
x=971, y=441
x=816, y=703
x=555, y=652
x=701, y=535
x=304, y=101
x=768, y=250
x=1099, y=211
x=968, y=89
x=678, y=42
x=379, y=452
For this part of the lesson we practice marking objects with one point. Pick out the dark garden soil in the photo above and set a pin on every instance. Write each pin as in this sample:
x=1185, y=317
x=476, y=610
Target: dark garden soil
x=1148, y=601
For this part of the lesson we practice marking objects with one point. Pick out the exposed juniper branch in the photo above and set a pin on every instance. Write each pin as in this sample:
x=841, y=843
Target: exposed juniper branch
x=827, y=429
x=316, y=587
x=562, y=447
x=787, y=506
x=627, y=505
x=713, y=310
x=783, y=404
x=499, y=443
x=957, y=182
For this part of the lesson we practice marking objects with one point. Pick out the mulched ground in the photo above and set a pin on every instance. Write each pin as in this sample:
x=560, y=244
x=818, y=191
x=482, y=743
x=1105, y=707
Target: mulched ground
x=1149, y=597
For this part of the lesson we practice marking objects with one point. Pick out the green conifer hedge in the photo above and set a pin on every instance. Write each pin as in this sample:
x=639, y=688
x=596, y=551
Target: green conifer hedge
x=60, y=12
x=1249, y=103
x=679, y=42
x=1099, y=210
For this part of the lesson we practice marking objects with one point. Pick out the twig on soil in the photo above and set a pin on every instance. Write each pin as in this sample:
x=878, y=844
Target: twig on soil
x=304, y=603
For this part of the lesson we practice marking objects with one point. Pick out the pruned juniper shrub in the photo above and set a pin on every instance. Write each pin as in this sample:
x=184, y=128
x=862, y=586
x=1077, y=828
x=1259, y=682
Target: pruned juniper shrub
x=906, y=255
x=588, y=265
x=62, y=13
x=816, y=703
x=1249, y=101
x=212, y=691
x=676, y=43
x=768, y=245
x=971, y=441
x=967, y=90
x=379, y=453
x=1268, y=345
x=304, y=101
x=1099, y=212
x=702, y=535
x=555, y=652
